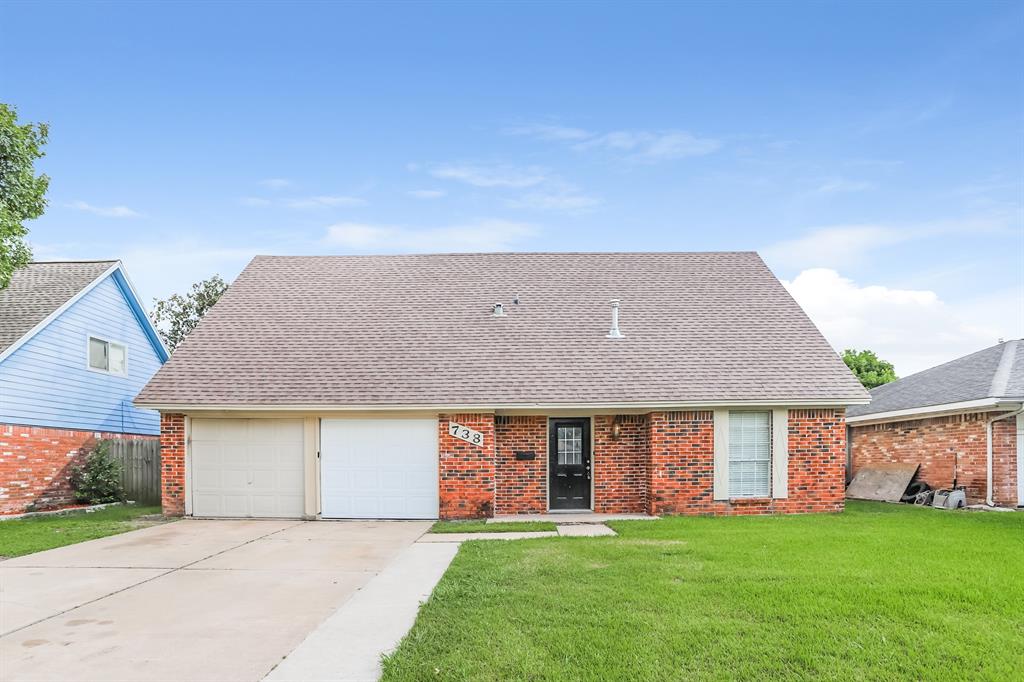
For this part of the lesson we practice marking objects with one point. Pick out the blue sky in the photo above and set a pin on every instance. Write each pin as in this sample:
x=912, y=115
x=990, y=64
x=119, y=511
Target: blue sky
x=873, y=153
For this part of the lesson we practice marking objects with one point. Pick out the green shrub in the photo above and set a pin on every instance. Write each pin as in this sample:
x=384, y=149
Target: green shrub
x=98, y=480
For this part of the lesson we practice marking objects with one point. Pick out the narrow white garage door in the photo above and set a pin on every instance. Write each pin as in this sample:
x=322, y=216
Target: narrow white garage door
x=378, y=468
x=247, y=467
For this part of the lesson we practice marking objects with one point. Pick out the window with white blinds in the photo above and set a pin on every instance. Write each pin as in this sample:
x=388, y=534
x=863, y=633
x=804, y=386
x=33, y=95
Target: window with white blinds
x=750, y=454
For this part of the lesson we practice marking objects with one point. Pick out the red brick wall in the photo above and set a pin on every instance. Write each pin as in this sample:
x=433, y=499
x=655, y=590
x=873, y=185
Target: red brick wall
x=467, y=472
x=620, y=465
x=817, y=462
x=36, y=464
x=1004, y=462
x=520, y=485
x=172, y=463
x=681, y=467
x=939, y=442
x=681, y=462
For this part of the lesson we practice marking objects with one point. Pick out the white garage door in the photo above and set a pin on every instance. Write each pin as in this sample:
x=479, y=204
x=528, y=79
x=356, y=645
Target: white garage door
x=247, y=467
x=378, y=468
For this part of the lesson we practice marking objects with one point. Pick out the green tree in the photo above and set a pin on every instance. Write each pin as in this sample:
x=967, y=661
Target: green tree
x=22, y=192
x=177, y=316
x=869, y=368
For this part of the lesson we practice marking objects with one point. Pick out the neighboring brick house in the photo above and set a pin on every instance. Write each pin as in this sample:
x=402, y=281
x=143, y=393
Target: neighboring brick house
x=961, y=416
x=465, y=386
x=75, y=348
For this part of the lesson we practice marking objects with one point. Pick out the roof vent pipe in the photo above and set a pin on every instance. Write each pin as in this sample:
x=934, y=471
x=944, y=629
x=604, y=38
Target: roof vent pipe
x=615, y=333
x=499, y=310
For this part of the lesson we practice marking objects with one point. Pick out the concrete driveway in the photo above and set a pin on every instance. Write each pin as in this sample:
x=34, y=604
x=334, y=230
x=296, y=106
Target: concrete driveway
x=191, y=600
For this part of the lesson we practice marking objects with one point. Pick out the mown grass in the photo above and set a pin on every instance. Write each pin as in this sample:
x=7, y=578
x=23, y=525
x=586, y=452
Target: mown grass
x=879, y=592
x=484, y=527
x=37, y=533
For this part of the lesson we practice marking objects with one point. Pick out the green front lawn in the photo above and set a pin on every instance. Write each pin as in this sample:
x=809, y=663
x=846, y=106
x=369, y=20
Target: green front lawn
x=880, y=592
x=36, y=533
x=484, y=527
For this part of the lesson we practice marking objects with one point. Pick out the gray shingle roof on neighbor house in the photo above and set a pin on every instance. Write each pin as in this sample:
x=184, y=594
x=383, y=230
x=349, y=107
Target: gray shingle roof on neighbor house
x=38, y=289
x=418, y=330
x=996, y=372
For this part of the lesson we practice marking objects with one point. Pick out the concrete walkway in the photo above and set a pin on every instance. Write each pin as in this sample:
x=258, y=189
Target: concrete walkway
x=561, y=530
x=191, y=600
x=348, y=645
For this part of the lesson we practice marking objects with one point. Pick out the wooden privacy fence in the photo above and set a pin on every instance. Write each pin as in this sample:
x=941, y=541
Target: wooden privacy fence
x=140, y=468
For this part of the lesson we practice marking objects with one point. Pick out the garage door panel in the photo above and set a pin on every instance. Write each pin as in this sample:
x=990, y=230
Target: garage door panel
x=379, y=468
x=220, y=430
x=247, y=467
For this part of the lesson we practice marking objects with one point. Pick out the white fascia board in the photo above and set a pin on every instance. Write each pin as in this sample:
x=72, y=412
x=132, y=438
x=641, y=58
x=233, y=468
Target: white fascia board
x=57, y=313
x=706, y=404
x=933, y=411
x=145, y=312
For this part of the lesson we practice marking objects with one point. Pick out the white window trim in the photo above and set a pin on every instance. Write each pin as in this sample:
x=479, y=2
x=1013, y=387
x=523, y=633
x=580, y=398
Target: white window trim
x=109, y=342
x=779, y=462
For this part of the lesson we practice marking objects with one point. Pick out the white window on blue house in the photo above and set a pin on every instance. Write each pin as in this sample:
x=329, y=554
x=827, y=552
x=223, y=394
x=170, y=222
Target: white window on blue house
x=750, y=454
x=106, y=356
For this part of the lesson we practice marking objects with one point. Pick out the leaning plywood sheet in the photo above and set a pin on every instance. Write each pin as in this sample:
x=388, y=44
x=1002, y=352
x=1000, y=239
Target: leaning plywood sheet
x=882, y=482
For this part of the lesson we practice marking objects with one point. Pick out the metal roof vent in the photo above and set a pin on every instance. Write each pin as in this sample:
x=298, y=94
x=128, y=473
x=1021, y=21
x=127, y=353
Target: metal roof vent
x=615, y=333
x=499, y=310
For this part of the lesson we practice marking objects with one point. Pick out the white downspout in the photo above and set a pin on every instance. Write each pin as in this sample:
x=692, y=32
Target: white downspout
x=988, y=454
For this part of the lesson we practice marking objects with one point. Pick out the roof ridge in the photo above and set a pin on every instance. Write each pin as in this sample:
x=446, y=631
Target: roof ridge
x=748, y=252
x=75, y=262
x=1001, y=378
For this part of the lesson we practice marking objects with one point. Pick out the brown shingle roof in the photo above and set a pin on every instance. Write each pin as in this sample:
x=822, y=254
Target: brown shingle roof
x=38, y=289
x=418, y=330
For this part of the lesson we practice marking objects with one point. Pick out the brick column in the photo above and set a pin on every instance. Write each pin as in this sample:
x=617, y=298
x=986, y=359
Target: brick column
x=172, y=463
x=466, y=471
x=681, y=462
x=521, y=485
x=620, y=464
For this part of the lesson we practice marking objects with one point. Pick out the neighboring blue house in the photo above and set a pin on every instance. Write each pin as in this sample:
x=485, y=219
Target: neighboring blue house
x=76, y=346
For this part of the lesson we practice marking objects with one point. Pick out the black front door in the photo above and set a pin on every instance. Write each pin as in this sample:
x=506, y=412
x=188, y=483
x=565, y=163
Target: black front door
x=569, y=464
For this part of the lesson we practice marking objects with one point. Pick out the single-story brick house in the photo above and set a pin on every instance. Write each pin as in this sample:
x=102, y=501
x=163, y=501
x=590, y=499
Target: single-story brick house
x=75, y=348
x=962, y=416
x=461, y=386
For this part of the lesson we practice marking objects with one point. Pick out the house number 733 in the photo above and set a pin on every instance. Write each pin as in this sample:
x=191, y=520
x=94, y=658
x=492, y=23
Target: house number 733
x=465, y=433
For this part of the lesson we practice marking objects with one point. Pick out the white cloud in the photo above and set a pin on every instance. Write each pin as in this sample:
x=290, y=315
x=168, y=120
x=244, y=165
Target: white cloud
x=491, y=176
x=637, y=145
x=254, y=201
x=323, y=202
x=482, y=235
x=842, y=185
x=549, y=132
x=913, y=329
x=276, y=183
x=647, y=146
x=848, y=245
x=427, y=193
x=105, y=211
x=569, y=201
x=834, y=246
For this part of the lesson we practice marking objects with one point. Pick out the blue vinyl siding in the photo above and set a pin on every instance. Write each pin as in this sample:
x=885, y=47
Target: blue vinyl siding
x=46, y=381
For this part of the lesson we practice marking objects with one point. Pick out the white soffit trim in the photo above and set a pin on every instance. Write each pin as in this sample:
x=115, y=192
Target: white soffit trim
x=57, y=313
x=189, y=407
x=933, y=411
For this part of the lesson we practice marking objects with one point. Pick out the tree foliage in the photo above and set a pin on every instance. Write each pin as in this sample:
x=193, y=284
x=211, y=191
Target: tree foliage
x=22, y=192
x=869, y=368
x=98, y=481
x=177, y=316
